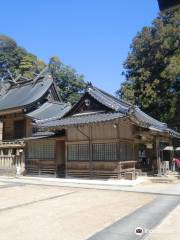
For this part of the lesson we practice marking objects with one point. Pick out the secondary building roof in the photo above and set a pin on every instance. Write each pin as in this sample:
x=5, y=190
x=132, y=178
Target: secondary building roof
x=83, y=119
x=49, y=111
x=113, y=108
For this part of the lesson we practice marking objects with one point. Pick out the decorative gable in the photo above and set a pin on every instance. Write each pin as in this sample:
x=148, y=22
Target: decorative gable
x=88, y=104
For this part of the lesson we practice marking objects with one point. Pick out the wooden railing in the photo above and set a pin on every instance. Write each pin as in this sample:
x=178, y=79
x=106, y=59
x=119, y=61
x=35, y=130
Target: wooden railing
x=9, y=144
x=11, y=162
x=12, y=156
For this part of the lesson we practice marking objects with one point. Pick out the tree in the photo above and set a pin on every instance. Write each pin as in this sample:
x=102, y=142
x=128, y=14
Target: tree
x=17, y=60
x=152, y=69
x=71, y=84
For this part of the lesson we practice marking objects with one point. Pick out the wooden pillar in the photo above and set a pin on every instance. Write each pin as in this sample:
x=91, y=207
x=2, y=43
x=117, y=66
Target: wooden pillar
x=172, y=164
x=66, y=159
x=55, y=158
x=119, y=151
x=1, y=152
x=9, y=152
x=90, y=152
x=158, y=156
x=1, y=131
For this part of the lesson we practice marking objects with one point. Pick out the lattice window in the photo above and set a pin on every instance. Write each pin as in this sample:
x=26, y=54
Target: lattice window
x=78, y=152
x=101, y=152
x=41, y=150
x=105, y=152
x=110, y=151
x=98, y=151
x=84, y=152
x=73, y=152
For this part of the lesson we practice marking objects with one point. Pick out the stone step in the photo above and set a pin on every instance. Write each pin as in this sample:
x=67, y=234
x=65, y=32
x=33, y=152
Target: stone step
x=163, y=180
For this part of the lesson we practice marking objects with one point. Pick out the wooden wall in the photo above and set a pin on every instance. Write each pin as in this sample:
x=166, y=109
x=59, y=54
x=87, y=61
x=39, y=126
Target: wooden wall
x=8, y=126
x=109, y=132
x=102, y=131
x=40, y=157
x=60, y=152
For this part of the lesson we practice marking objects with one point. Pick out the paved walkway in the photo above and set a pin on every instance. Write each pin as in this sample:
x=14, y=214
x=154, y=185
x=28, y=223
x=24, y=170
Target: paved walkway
x=168, y=228
x=147, y=218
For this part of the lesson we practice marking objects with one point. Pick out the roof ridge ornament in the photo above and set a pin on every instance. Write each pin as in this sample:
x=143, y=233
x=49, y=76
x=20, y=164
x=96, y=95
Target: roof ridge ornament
x=89, y=85
x=40, y=74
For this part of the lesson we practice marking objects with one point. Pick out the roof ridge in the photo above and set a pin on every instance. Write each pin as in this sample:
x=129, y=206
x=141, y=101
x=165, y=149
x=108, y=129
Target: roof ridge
x=58, y=102
x=112, y=96
x=107, y=99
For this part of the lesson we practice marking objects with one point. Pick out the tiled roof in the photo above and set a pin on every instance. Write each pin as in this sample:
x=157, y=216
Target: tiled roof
x=108, y=100
x=118, y=109
x=21, y=95
x=50, y=110
x=144, y=118
x=40, y=135
x=82, y=119
x=44, y=133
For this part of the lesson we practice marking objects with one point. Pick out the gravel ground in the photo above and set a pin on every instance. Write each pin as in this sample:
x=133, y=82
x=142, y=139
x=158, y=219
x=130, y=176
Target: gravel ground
x=31, y=212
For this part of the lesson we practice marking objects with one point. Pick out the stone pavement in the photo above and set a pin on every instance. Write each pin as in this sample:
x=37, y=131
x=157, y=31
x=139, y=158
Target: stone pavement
x=145, y=218
x=54, y=208
x=41, y=212
x=169, y=228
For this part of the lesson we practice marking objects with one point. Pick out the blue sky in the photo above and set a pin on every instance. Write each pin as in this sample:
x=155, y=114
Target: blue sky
x=93, y=36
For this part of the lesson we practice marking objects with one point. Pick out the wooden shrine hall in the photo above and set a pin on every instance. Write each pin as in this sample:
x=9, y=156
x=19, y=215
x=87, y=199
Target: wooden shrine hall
x=99, y=137
x=107, y=137
x=22, y=103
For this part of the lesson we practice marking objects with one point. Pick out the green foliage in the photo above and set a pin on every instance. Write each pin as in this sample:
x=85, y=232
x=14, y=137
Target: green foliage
x=70, y=83
x=18, y=61
x=152, y=69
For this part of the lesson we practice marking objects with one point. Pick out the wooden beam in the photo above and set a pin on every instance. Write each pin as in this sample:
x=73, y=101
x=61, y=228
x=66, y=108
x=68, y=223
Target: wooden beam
x=5, y=112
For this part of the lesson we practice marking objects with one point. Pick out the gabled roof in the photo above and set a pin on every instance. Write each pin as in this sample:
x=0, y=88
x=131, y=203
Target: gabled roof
x=25, y=94
x=22, y=93
x=117, y=108
x=50, y=110
x=109, y=102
